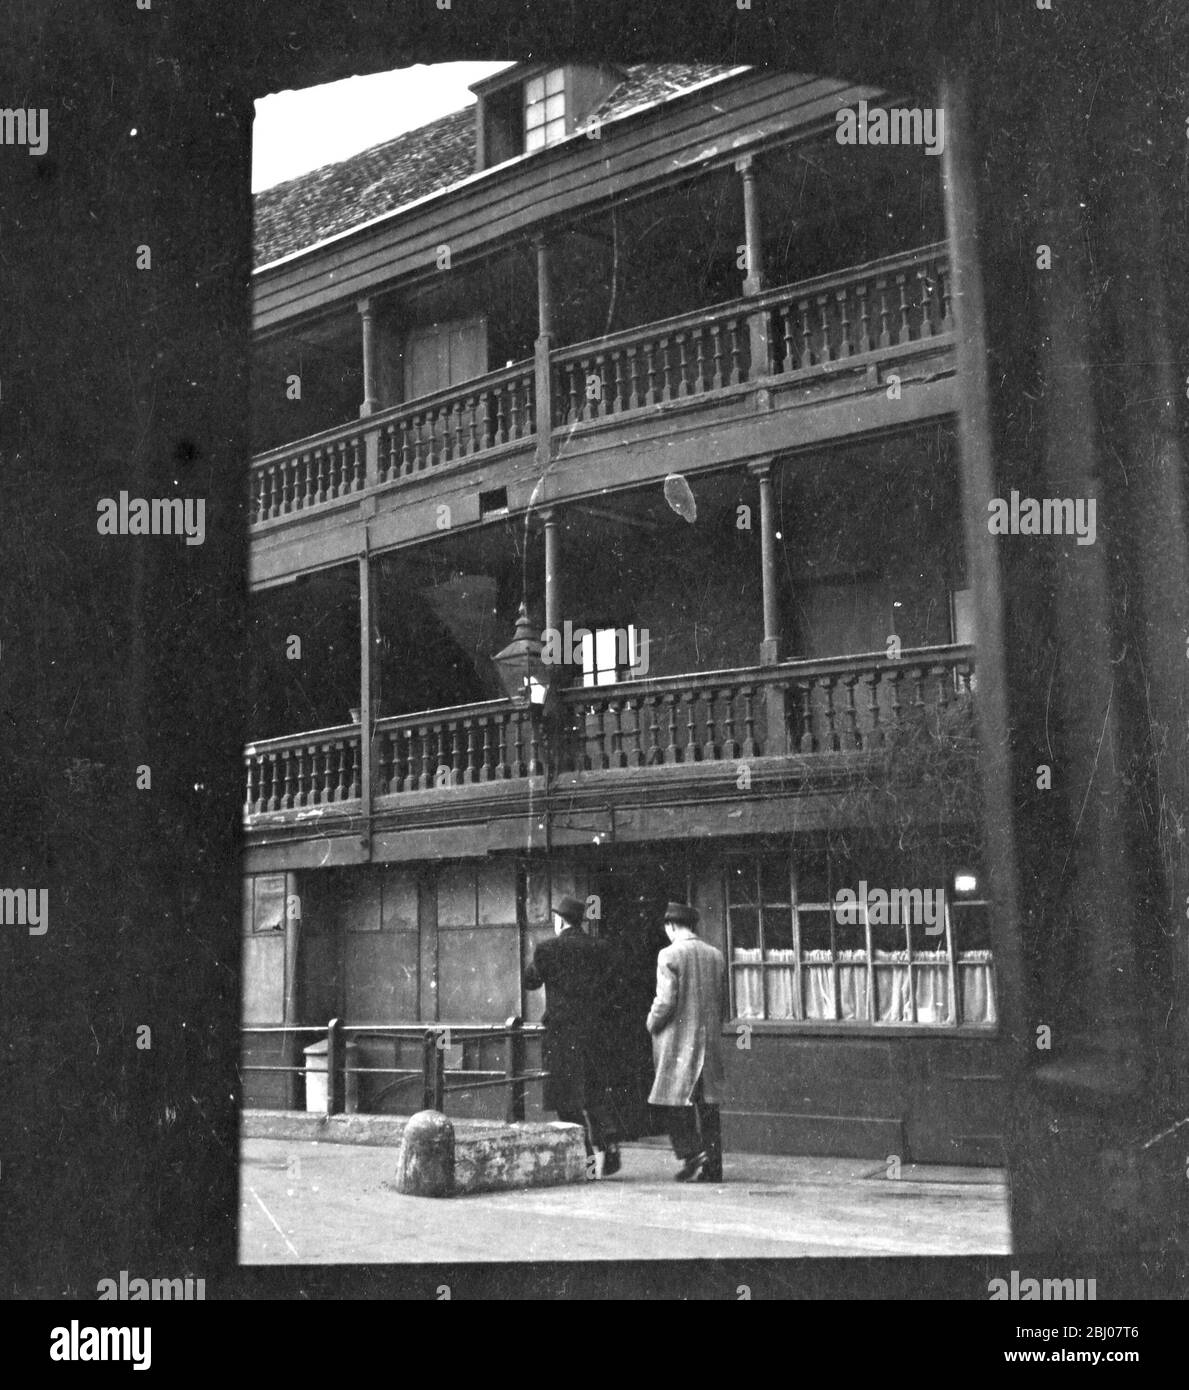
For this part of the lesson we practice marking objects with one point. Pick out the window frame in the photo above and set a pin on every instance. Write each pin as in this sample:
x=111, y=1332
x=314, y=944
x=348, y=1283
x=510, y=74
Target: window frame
x=912, y=945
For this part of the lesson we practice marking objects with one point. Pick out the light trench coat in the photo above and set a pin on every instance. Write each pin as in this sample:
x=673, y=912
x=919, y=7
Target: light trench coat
x=686, y=1022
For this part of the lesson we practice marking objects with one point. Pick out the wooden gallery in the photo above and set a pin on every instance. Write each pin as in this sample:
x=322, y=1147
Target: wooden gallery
x=644, y=355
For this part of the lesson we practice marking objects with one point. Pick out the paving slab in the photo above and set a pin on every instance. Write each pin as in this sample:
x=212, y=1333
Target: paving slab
x=319, y=1203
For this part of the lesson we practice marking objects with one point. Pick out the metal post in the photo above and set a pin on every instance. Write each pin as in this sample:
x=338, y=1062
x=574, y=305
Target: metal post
x=335, y=1089
x=515, y=1068
x=433, y=1060
x=543, y=381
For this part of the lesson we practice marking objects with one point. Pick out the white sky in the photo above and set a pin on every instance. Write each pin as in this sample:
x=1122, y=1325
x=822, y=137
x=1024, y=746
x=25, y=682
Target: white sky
x=299, y=131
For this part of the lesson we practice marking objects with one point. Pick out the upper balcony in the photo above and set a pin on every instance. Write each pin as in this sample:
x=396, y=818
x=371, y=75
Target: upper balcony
x=738, y=376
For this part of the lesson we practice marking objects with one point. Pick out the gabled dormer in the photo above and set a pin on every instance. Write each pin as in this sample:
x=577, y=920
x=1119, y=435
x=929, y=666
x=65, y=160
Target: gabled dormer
x=530, y=106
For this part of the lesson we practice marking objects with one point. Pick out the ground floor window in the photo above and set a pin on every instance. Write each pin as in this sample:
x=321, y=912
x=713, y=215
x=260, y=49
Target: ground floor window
x=820, y=936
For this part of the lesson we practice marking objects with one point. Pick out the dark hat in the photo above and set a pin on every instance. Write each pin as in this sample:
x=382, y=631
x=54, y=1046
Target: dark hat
x=572, y=909
x=681, y=914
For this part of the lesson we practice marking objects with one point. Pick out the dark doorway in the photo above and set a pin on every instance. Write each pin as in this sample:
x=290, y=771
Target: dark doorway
x=632, y=891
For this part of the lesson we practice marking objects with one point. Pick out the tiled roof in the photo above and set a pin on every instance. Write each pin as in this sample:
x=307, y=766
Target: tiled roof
x=326, y=201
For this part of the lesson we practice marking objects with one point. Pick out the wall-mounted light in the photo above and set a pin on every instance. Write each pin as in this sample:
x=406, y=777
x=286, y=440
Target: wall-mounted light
x=965, y=883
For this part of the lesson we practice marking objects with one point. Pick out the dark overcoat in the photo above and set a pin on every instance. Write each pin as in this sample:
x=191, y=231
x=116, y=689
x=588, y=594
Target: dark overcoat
x=686, y=1021
x=574, y=969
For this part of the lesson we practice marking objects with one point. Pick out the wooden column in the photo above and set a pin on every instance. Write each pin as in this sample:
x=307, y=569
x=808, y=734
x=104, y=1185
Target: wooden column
x=770, y=646
x=367, y=323
x=368, y=686
x=757, y=324
x=775, y=698
x=553, y=587
x=751, y=226
x=543, y=383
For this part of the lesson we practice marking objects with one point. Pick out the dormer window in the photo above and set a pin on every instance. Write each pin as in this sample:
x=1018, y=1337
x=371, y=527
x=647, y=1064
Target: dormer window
x=529, y=107
x=545, y=109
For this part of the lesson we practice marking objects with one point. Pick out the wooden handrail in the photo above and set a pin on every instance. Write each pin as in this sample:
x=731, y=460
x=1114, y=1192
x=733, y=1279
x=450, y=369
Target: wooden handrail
x=779, y=294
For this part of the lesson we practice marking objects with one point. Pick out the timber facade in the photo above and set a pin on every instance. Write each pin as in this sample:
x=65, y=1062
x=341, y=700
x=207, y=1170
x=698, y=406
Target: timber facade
x=666, y=376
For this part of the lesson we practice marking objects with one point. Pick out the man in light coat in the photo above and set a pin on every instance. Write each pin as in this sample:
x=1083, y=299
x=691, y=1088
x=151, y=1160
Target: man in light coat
x=686, y=1022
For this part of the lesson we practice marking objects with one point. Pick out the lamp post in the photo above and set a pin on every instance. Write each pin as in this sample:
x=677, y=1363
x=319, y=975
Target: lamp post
x=527, y=681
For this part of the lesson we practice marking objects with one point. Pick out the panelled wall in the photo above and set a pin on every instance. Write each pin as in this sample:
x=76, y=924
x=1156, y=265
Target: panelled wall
x=447, y=943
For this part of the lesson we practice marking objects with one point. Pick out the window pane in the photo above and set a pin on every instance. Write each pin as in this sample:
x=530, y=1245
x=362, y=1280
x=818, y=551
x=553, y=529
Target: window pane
x=814, y=928
x=534, y=117
x=554, y=80
x=555, y=108
x=555, y=131
x=535, y=139
x=778, y=929
x=813, y=882
x=534, y=89
x=972, y=926
x=269, y=912
x=745, y=928
x=741, y=881
x=774, y=880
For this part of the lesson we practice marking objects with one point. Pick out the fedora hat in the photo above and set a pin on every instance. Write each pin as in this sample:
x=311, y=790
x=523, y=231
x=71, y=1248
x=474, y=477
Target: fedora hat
x=681, y=915
x=573, y=910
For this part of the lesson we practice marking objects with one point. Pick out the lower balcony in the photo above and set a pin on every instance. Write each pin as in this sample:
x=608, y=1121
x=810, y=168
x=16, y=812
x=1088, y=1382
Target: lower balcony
x=745, y=734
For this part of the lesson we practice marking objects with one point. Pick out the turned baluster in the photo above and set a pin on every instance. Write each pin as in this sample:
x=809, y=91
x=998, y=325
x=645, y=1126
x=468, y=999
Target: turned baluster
x=472, y=408
x=853, y=739
x=425, y=780
x=535, y=766
x=918, y=692
x=408, y=767
x=292, y=796
x=456, y=750
x=823, y=301
x=682, y=366
x=573, y=375
x=359, y=463
x=350, y=755
x=516, y=765
x=844, y=345
x=617, y=402
x=716, y=380
x=710, y=747
x=611, y=724
x=894, y=677
x=471, y=771
x=634, y=704
x=700, y=361
x=385, y=764
x=653, y=753
x=442, y=764
x=864, y=343
x=730, y=749
x=602, y=404
x=748, y=749
x=667, y=392
x=672, y=752
x=875, y=736
x=633, y=377
x=249, y=800
x=650, y=397
x=736, y=374
x=485, y=765
x=905, y=328
x=805, y=688
x=786, y=336
x=885, y=337
x=807, y=358
x=830, y=685
x=690, y=750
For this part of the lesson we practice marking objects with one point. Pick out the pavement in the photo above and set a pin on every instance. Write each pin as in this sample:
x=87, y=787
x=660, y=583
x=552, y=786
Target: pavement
x=318, y=1203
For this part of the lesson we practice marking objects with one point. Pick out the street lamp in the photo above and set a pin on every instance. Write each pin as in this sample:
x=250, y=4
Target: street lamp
x=524, y=676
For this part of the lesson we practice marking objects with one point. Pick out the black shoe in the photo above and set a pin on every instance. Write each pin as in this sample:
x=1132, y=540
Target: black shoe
x=612, y=1163
x=689, y=1168
x=709, y=1175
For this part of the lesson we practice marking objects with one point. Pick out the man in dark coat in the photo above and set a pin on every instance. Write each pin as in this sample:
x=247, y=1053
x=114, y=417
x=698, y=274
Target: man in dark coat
x=574, y=970
x=686, y=1022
